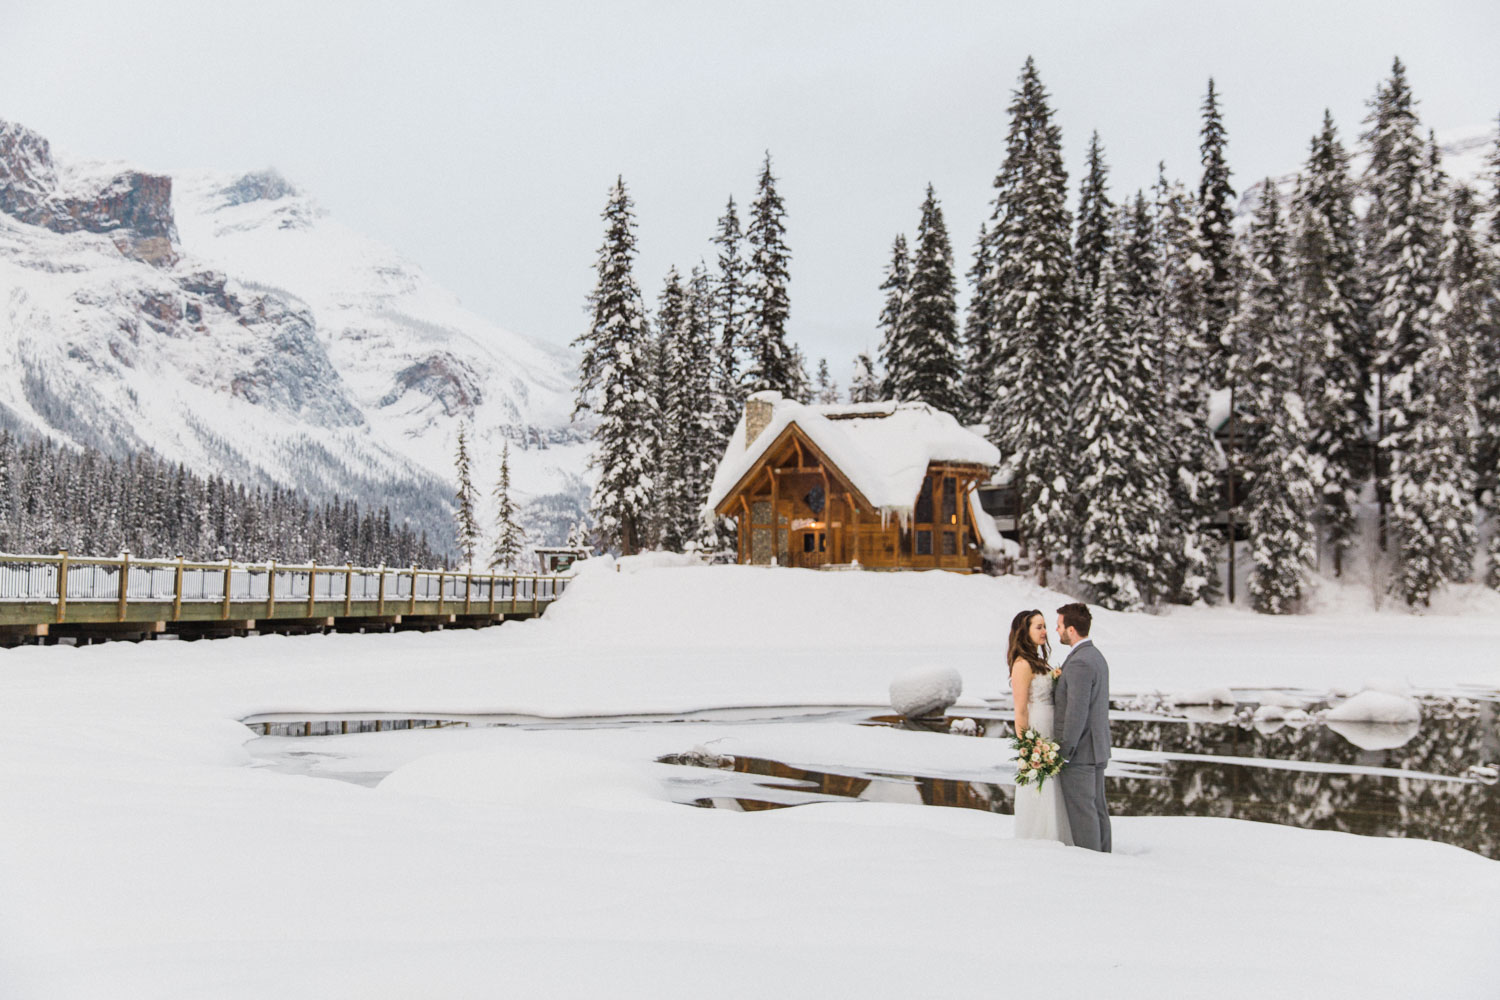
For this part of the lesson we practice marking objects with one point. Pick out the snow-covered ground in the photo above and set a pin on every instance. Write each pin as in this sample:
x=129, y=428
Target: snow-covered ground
x=143, y=854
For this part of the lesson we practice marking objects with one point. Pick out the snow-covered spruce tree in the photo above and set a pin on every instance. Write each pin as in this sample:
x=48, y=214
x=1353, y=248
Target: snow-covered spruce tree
x=826, y=391
x=465, y=522
x=931, y=361
x=1487, y=390
x=864, y=384
x=1030, y=237
x=979, y=333
x=671, y=505
x=702, y=445
x=1176, y=310
x=1120, y=465
x=893, y=347
x=615, y=382
x=1331, y=311
x=1095, y=219
x=1468, y=288
x=1278, y=471
x=509, y=538
x=770, y=364
x=1216, y=203
x=730, y=314
x=1403, y=237
x=801, y=387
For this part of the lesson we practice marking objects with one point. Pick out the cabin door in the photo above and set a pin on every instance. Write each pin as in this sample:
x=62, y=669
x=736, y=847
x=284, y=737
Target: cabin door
x=809, y=547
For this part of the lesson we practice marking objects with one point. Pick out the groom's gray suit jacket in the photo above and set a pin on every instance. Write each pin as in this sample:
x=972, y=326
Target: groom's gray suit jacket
x=1081, y=702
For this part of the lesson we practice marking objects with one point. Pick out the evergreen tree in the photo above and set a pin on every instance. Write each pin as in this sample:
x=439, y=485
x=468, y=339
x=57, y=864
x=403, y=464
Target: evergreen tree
x=864, y=385
x=801, y=387
x=827, y=390
x=1095, y=217
x=1028, y=311
x=615, y=382
x=770, y=365
x=703, y=445
x=466, y=523
x=690, y=422
x=1331, y=313
x=931, y=360
x=509, y=537
x=1176, y=309
x=1487, y=388
x=671, y=503
x=730, y=315
x=1121, y=468
x=1216, y=201
x=1403, y=234
x=979, y=332
x=893, y=335
x=1279, y=472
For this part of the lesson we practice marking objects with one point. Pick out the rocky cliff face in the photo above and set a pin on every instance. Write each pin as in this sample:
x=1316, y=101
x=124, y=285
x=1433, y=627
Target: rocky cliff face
x=226, y=322
x=134, y=208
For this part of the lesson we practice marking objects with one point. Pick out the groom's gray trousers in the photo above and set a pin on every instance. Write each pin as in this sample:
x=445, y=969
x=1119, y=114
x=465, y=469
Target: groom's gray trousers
x=1082, y=727
x=1083, y=797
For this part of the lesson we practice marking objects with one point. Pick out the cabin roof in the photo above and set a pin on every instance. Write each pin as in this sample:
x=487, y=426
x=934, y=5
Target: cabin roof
x=884, y=449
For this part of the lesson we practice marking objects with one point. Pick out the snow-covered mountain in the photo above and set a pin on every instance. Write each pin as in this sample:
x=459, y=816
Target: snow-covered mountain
x=229, y=323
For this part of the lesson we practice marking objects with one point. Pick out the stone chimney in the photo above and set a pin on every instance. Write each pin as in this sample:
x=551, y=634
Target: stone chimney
x=758, y=409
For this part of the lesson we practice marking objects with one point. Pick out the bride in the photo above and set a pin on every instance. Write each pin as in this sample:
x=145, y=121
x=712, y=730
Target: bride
x=1039, y=811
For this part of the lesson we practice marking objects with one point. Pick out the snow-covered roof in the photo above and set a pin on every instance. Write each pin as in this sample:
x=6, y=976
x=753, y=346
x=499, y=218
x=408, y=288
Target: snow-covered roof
x=883, y=448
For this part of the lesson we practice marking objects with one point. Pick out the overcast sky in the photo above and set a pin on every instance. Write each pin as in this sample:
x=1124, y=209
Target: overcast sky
x=480, y=139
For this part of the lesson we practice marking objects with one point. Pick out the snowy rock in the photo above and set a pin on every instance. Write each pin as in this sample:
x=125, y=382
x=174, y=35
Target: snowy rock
x=963, y=727
x=699, y=756
x=1214, y=714
x=1484, y=773
x=927, y=691
x=1209, y=696
x=1376, y=735
x=1377, y=706
x=1296, y=717
x=1270, y=713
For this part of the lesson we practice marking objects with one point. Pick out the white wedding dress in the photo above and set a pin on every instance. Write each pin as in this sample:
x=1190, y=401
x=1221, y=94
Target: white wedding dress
x=1039, y=811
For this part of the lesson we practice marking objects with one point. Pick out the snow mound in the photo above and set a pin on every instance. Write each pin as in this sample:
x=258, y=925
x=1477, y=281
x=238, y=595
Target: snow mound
x=1377, y=706
x=525, y=780
x=927, y=691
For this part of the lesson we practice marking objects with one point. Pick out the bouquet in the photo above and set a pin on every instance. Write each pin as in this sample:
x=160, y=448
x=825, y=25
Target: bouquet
x=1037, y=758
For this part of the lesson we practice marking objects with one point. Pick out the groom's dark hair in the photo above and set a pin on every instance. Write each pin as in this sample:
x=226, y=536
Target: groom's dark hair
x=1077, y=617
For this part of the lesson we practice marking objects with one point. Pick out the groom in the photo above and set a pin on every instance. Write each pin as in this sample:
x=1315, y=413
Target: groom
x=1082, y=729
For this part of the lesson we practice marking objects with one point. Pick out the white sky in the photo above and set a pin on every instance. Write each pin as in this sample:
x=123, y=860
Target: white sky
x=481, y=139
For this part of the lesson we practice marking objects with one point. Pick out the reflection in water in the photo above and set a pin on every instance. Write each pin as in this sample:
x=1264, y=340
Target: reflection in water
x=1453, y=738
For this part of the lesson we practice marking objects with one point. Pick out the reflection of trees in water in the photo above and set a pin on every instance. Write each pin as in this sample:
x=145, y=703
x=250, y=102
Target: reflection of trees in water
x=1457, y=813
x=1449, y=741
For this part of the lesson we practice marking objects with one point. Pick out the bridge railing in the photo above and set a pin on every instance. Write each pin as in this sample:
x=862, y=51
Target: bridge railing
x=35, y=578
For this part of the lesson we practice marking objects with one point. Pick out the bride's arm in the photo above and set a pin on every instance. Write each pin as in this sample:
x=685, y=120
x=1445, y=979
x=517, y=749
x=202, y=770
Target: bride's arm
x=1020, y=689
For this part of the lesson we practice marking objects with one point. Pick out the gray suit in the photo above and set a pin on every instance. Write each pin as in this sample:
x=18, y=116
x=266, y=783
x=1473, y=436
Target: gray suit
x=1081, y=702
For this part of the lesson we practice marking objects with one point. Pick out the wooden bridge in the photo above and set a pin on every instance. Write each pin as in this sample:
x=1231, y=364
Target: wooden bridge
x=44, y=599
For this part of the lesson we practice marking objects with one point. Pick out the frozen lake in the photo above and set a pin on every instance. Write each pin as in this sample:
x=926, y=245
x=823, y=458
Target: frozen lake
x=1419, y=780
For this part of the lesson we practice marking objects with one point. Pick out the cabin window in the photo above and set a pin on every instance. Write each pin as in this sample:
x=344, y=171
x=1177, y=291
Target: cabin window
x=814, y=500
x=814, y=541
x=950, y=500
x=923, y=513
x=950, y=543
x=924, y=542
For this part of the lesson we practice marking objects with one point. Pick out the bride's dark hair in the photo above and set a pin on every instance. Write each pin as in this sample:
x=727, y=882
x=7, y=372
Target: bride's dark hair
x=1022, y=648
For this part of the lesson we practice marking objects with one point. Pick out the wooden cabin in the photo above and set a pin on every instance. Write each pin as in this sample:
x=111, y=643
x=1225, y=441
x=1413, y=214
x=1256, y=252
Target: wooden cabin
x=881, y=485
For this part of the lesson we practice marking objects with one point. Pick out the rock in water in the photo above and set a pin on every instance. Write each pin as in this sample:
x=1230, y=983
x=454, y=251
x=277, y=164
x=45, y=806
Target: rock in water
x=927, y=691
